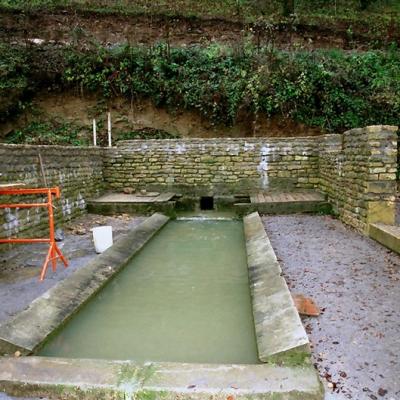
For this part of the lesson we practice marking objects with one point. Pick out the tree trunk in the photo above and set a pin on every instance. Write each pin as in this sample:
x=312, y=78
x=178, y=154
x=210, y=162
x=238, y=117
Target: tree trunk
x=288, y=7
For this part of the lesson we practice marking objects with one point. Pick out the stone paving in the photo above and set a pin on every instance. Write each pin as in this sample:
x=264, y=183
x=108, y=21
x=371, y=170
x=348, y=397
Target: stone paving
x=356, y=282
x=20, y=266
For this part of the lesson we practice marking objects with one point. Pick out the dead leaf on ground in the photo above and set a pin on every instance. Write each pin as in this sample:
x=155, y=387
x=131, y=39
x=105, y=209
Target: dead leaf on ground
x=305, y=305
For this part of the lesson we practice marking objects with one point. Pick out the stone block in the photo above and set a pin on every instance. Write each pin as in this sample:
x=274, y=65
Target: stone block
x=388, y=235
x=381, y=211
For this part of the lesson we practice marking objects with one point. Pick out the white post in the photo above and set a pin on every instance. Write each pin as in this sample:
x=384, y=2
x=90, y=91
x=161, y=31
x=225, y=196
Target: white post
x=109, y=130
x=94, y=133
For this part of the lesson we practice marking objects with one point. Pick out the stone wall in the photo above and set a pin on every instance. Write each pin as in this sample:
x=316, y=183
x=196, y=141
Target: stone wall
x=77, y=171
x=358, y=173
x=214, y=166
x=356, y=170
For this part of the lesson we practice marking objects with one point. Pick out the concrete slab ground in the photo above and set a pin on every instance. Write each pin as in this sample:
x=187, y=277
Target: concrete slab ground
x=356, y=282
x=20, y=266
x=351, y=277
x=50, y=310
x=93, y=379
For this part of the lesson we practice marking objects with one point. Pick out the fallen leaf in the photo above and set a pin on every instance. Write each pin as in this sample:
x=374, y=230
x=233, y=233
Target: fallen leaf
x=382, y=392
x=305, y=305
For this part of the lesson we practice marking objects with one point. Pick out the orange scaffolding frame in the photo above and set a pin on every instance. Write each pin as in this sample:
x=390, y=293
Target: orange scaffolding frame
x=54, y=252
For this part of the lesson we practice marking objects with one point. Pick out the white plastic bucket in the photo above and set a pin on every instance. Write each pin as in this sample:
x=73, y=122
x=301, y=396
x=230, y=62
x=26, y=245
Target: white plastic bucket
x=102, y=238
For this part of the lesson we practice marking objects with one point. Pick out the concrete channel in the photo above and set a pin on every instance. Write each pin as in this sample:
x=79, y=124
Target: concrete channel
x=286, y=371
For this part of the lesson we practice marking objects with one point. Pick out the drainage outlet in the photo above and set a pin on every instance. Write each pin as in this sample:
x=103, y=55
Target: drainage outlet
x=207, y=203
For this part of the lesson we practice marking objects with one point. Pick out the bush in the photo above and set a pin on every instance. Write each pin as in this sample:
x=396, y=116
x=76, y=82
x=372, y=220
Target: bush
x=48, y=132
x=334, y=90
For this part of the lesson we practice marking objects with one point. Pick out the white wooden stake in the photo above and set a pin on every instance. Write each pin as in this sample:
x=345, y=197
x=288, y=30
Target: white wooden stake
x=109, y=130
x=94, y=133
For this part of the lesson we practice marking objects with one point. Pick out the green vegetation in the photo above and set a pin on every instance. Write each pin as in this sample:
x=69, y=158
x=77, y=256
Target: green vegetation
x=49, y=132
x=14, y=73
x=334, y=90
x=330, y=89
x=248, y=10
x=379, y=21
x=62, y=132
x=145, y=133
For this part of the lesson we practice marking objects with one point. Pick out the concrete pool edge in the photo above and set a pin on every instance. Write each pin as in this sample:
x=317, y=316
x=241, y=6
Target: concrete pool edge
x=94, y=379
x=27, y=330
x=280, y=334
x=75, y=379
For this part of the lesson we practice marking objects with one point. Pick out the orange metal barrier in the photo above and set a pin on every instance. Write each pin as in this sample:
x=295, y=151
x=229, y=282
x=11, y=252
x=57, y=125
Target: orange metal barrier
x=54, y=252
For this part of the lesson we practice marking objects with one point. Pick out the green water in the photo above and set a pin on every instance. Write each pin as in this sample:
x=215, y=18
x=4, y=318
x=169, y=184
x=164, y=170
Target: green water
x=185, y=297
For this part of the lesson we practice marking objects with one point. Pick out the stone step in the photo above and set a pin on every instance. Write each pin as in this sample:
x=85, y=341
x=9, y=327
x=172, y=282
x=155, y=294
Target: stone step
x=388, y=235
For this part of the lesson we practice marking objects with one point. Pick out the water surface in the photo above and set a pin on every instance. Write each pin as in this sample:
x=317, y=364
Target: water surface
x=185, y=297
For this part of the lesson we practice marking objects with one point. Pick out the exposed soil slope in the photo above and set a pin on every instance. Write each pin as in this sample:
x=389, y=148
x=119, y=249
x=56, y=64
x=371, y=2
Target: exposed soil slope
x=67, y=26
x=127, y=116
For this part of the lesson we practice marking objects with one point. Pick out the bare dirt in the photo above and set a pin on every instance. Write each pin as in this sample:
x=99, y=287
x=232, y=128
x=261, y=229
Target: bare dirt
x=127, y=116
x=89, y=29
x=68, y=26
x=356, y=283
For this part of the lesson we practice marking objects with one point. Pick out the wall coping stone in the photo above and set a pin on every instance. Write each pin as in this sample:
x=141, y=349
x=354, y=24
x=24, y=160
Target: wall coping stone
x=280, y=333
x=110, y=379
x=28, y=329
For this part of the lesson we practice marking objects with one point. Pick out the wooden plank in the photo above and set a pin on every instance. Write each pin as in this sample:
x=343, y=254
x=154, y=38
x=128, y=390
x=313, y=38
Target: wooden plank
x=268, y=198
x=291, y=197
x=253, y=198
x=318, y=197
x=273, y=198
x=302, y=196
x=123, y=198
x=311, y=197
x=280, y=198
x=286, y=197
x=164, y=197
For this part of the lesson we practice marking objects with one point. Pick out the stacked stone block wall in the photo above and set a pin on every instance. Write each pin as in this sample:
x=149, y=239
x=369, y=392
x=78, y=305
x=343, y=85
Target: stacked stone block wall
x=77, y=171
x=356, y=170
x=358, y=173
x=214, y=166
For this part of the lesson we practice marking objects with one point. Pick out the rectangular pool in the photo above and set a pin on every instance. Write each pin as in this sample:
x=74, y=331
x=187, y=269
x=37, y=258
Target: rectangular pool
x=184, y=298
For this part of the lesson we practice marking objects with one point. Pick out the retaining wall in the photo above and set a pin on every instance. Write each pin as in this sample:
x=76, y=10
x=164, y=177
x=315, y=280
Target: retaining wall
x=358, y=173
x=356, y=170
x=77, y=170
x=214, y=166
